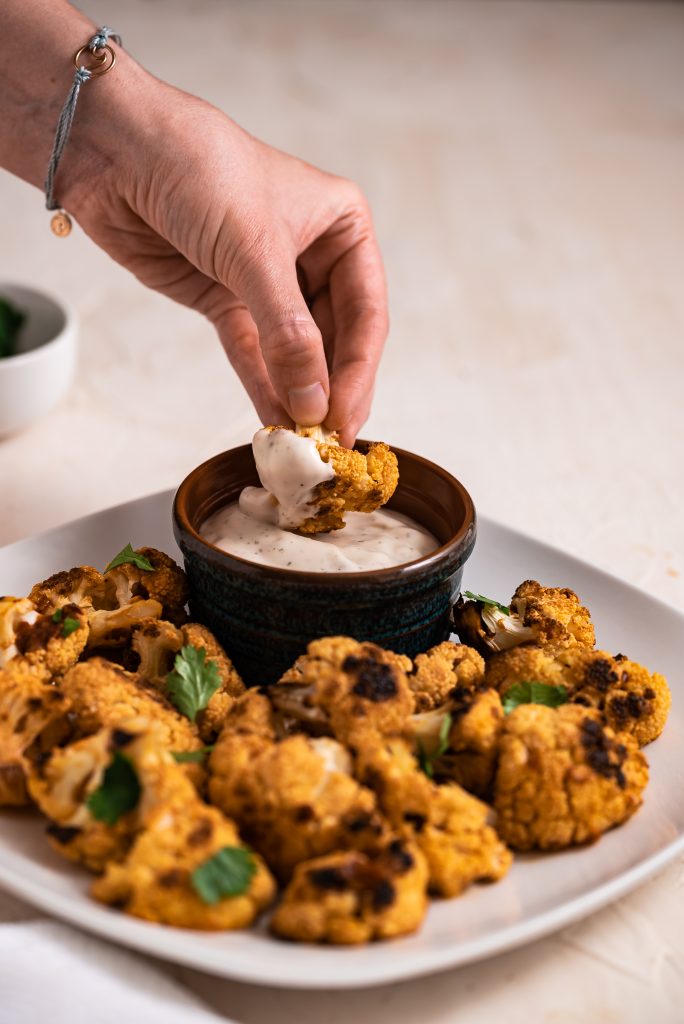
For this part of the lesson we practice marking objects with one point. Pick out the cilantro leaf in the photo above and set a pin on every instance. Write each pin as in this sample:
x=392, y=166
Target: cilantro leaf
x=227, y=873
x=487, y=600
x=127, y=554
x=193, y=681
x=57, y=615
x=118, y=792
x=69, y=626
x=11, y=321
x=534, y=693
x=191, y=756
x=427, y=761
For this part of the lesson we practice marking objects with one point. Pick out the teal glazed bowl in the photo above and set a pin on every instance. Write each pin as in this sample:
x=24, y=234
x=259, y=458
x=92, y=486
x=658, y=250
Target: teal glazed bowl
x=265, y=617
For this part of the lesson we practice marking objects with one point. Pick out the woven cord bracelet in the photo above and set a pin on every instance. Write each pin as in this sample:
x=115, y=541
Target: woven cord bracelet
x=101, y=59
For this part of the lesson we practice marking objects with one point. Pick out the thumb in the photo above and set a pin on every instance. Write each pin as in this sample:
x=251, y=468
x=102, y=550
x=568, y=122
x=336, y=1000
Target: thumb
x=290, y=341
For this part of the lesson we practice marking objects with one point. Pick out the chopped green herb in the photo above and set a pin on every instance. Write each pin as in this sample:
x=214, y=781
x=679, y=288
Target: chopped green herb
x=11, y=321
x=487, y=600
x=57, y=616
x=427, y=761
x=191, y=756
x=227, y=873
x=129, y=555
x=70, y=625
x=118, y=792
x=534, y=693
x=193, y=681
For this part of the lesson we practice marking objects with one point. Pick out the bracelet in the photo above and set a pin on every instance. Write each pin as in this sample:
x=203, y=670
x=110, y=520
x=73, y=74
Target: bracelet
x=101, y=60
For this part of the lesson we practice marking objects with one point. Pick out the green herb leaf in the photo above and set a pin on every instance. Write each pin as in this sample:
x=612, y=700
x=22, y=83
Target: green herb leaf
x=191, y=756
x=57, y=615
x=427, y=761
x=534, y=693
x=11, y=321
x=487, y=600
x=193, y=681
x=127, y=554
x=118, y=792
x=69, y=626
x=227, y=873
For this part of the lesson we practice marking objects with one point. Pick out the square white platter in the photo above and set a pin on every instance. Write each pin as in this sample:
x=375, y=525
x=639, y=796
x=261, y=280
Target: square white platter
x=540, y=894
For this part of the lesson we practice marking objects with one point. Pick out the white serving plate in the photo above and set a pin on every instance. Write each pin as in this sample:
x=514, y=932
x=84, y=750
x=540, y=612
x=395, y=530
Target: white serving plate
x=540, y=894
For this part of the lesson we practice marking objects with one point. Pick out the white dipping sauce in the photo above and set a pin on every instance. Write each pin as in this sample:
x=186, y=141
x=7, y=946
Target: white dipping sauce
x=290, y=469
x=370, y=540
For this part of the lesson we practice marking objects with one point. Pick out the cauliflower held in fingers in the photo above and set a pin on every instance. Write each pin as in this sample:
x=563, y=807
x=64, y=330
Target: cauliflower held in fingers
x=49, y=643
x=343, y=687
x=448, y=825
x=537, y=614
x=362, y=483
x=439, y=670
x=564, y=777
x=82, y=586
x=349, y=897
x=147, y=574
x=33, y=718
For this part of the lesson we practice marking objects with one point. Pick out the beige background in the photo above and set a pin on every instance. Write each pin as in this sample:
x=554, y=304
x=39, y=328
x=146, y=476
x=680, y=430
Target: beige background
x=525, y=163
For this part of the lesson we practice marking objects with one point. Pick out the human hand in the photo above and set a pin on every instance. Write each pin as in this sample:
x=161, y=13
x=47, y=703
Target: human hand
x=280, y=256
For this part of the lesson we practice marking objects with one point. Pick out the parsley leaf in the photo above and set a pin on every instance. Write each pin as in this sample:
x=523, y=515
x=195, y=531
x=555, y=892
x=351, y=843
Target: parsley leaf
x=11, y=321
x=118, y=792
x=534, y=693
x=227, y=873
x=127, y=554
x=57, y=615
x=427, y=761
x=69, y=625
x=487, y=600
x=193, y=681
x=191, y=756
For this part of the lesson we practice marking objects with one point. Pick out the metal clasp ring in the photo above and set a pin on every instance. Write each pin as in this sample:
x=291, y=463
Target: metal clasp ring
x=104, y=58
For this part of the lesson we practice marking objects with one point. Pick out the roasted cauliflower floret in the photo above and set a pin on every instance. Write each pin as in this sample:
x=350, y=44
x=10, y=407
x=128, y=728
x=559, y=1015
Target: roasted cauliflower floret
x=459, y=740
x=292, y=800
x=155, y=881
x=343, y=687
x=210, y=720
x=630, y=698
x=114, y=627
x=165, y=583
x=154, y=646
x=349, y=897
x=449, y=825
x=49, y=643
x=33, y=717
x=439, y=670
x=564, y=777
x=82, y=586
x=536, y=614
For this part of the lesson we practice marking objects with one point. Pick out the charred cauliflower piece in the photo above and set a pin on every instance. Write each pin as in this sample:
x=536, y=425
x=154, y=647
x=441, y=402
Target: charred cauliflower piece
x=460, y=739
x=439, y=670
x=448, y=825
x=166, y=584
x=343, y=687
x=536, y=614
x=564, y=777
x=631, y=699
x=48, y=643
x=155, y=881
x=349, y=897
x=154, y=646
x=362, y=483
x=292, y=800
x=114, y=627
x=82, y=586
x=33, y=718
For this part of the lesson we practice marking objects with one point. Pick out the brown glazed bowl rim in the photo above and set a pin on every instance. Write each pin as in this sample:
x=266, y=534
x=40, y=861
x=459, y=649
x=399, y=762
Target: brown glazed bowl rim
x=405, y=570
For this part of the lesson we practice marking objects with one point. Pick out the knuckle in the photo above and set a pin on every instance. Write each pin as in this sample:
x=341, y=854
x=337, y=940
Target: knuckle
x=290, y=342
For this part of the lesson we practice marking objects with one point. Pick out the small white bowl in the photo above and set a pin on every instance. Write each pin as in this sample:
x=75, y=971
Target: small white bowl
x=38, y=376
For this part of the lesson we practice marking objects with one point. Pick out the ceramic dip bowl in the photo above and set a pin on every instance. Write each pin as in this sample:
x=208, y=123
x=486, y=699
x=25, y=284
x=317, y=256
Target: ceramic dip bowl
x=265, y=616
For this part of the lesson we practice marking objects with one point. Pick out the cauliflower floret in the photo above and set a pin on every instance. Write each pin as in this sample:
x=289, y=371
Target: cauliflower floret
x=165, y=584
x=460, y=739
x=154, y=882
x=537, y=614
x=82, y=585
x=449, y=825
x=49, y=643
x=292, y=800
x=349, y=897
x=156, y=644
x=343, y=687
x=631, y=699
x=114, y=627
x=439, y=670
x=564, y=777
x=33, y=717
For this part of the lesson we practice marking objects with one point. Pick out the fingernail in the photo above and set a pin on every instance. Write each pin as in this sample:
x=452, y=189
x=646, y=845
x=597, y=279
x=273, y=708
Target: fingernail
x=309, y=405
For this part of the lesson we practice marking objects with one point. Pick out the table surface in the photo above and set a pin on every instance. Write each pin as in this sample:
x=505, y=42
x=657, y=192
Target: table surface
x=524, y=164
